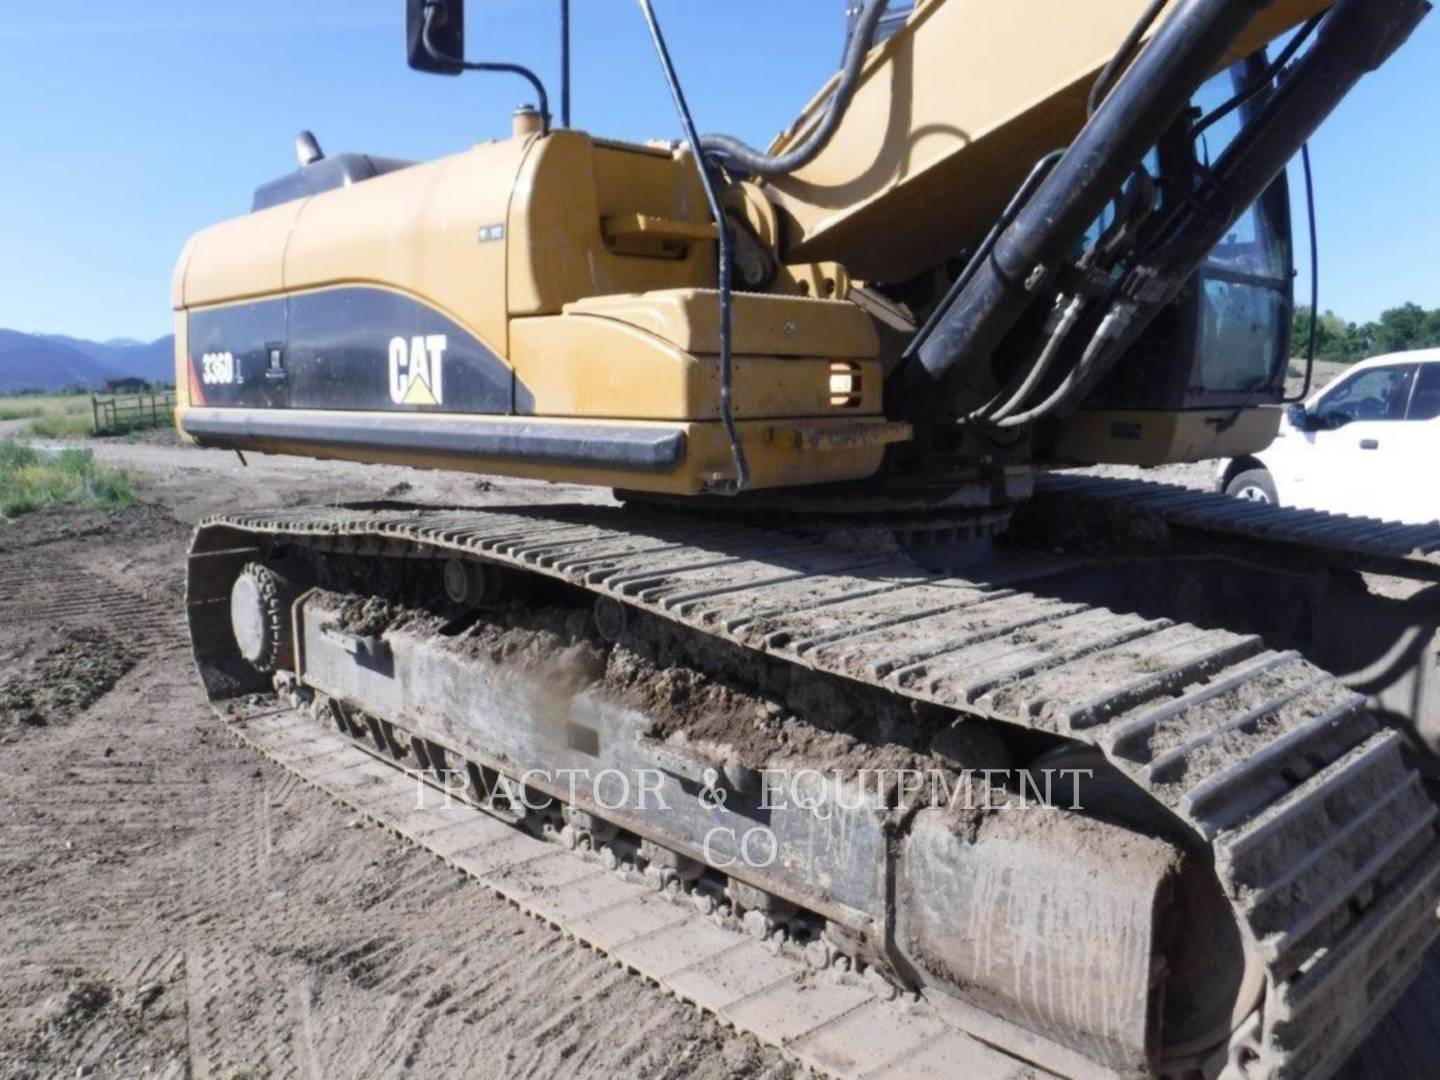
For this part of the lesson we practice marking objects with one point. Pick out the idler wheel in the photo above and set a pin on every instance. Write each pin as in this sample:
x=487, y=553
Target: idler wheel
x=260, y=603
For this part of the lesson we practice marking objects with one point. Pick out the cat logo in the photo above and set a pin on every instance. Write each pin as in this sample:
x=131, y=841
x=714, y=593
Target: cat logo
x=417, y=370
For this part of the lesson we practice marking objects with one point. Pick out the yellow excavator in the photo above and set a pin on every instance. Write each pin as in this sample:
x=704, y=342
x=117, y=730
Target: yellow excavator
x=854, y=718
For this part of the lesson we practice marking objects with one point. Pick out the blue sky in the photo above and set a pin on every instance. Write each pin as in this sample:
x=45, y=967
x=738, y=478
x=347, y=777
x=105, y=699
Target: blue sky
x=128, y=124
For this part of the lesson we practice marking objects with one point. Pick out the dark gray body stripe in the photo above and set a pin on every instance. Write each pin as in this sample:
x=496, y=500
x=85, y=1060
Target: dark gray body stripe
x=651, y=449
x=334, y=343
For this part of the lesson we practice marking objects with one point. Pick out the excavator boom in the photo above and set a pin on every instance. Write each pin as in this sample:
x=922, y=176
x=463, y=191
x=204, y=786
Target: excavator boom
x=951, y=114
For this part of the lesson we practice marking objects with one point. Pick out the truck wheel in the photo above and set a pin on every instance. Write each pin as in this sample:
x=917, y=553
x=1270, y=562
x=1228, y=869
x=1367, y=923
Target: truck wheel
x=1254, y=485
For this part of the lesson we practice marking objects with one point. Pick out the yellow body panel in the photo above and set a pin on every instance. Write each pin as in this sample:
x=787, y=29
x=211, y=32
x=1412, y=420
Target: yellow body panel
x=774, y=325
x=951, y=115
x=570, y=186
x=415, y=231
x=1160, y=438
x=418, y=230
x=568, y=364
x=236, y=259
x=544, y=249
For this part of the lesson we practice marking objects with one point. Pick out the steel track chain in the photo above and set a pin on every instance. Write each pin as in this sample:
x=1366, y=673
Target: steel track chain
x=1386, y=547
x=1324, y=839
x=831, y=1022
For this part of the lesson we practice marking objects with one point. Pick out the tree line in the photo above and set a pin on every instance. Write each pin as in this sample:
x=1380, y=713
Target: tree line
x=1398, y=330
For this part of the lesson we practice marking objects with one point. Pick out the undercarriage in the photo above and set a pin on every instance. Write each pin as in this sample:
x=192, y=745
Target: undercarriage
x=1093, y=840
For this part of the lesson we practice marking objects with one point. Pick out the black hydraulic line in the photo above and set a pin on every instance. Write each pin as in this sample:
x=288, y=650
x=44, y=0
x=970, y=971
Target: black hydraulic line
x=1358, y=37
x=1023, y=383
x=469, y=65
x=1021, y=197
x=1144, y=102
x=712, y=196
x=1261, y=83
x=1314, y=278
x=734, y=153
x=1112, y=323
x=1116, y=66
x=998, y=410
x=565, y=63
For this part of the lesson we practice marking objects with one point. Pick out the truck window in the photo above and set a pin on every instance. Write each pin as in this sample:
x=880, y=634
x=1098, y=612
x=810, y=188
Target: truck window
x=1378, y=394
x=1425, y=405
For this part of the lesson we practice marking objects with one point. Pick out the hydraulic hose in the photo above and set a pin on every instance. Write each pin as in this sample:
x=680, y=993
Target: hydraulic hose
x=722, y=226
x=1112, y=327
x=1113, y=70
x=1072, y=312
x=735, y=154
x=1259, y=84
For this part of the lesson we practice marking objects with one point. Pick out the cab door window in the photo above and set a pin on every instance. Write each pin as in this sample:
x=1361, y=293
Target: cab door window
x=1378, y=394
x=1425, y=402
x=1245, y=284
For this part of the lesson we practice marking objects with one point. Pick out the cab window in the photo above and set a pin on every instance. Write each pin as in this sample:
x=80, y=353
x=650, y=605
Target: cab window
x=1425, y=402
x=1378, y=394
x=1245, y=283
x=1241, y=334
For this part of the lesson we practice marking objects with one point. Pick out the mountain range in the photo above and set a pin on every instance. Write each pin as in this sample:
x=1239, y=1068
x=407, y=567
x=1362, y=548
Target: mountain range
x=56, y=362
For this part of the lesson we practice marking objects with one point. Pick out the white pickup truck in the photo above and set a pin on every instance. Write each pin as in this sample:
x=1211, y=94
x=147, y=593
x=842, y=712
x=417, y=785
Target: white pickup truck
x=1368, y=444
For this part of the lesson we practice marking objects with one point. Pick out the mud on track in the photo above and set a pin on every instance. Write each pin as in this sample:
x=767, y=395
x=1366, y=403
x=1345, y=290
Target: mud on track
x=170, y=904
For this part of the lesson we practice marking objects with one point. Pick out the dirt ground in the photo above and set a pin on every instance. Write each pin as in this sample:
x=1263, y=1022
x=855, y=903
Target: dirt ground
x=171, y=906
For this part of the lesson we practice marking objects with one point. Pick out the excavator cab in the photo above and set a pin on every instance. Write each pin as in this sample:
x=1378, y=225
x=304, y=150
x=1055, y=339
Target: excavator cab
x=1192, y=383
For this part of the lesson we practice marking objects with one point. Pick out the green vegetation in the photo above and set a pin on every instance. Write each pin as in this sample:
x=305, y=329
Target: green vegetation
x=51, y=416
x=66, y=425
x=32, y=479
x=1400, y=329
x=67, y=415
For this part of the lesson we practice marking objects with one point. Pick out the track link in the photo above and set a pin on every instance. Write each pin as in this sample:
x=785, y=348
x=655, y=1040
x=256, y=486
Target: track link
x=1323, y=838
x=1382, y=547
x=835, y=1024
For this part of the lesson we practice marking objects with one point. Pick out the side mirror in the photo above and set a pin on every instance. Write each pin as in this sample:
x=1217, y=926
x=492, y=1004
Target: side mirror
x=1298, y=417
x=438, y=47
